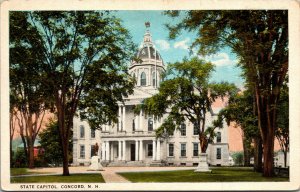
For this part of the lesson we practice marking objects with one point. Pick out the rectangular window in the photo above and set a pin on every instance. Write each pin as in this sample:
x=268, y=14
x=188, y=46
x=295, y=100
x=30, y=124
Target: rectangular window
x=81, y=131
x=218, y=137
x=92, y=150
x=133, y=125
x=150, y=150
x=195, y=149
x=183, y=129
x=196, y=129
x=218, y=153
x=183, y=150
x=92, y=133
x=171, y=149
x=82, y=152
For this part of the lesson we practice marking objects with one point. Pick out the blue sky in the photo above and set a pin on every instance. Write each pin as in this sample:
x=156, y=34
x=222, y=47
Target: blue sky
x=175, y=50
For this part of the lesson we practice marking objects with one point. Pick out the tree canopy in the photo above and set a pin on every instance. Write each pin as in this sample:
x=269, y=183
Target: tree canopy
x=187, y=94
x=260, y=39
x=83, y=55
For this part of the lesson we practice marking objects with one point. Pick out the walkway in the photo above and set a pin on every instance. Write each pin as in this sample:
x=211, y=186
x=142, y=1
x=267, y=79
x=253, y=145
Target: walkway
x=109, y=174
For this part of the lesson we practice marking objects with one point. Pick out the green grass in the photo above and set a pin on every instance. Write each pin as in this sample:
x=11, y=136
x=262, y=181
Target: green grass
x=73, y=178
x=22, y=171
x=217, y=175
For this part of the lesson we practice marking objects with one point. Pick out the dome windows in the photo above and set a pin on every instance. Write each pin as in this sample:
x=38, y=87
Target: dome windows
x=143, y=79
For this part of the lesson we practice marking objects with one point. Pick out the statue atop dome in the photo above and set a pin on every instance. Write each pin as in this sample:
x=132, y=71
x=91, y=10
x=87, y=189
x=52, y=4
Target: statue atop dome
x=147, y=24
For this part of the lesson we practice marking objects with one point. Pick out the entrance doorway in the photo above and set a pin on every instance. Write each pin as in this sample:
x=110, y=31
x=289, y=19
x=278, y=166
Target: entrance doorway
x=132, y=152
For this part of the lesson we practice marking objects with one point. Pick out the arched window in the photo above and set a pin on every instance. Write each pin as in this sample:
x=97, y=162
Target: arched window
x=150, y=124
x=153, y=79
x=81, y=131
x=143, y=79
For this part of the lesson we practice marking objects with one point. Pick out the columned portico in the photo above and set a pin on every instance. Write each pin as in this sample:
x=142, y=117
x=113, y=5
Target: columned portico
x=154, y=150
x=119, y=150
x=119, y=119
x=124, y=150
x=140, y=120
x=141, y=150
x=107, y=151
x=124, y=118
x=137, y=150
x=158, y=150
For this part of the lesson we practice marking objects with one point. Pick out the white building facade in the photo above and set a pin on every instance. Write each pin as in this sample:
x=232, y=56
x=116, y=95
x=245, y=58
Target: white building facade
x=132, y=141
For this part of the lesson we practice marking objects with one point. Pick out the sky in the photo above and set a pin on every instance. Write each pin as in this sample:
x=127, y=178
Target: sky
x=175, y=50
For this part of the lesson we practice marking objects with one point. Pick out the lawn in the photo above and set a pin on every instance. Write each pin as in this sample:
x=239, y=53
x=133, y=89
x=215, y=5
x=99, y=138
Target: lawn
x=74, y=178
x=22, y=171
x=217, y=175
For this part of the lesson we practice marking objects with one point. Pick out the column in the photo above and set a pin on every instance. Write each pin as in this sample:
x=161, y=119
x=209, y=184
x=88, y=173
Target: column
x=141, y=151
x=103, y=151
x=136, y=150
x=112, y=152
x=124, y=150
x=141, y=121
x=124, y=110
x=119, y=151
x=154, y=150
x=158, y=150
x=107, y=151
x=119, y=119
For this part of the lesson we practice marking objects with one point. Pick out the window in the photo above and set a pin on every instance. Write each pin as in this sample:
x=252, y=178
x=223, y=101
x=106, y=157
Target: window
x=81, y=131
x=92, y=133
x=195, y=149
x=150, y=124
x=183, y=129
x=183, y=150
x=150, y=150
x=93, y=152
x=82, y=152
x=218, y=137
x=133, y=125
x=196, y=128
x=153, y=79
x=143, y=79
x=171, y=149
x=218, y=153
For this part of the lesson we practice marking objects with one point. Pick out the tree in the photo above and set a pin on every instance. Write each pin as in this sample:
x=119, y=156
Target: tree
x=282, y=132
x=82, y=53
x=240, y=111
x=28, y=98
x=260, y=39
x=51, y=144
x=187, y=94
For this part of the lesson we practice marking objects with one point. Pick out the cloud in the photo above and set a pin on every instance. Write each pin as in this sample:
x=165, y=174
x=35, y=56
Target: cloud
x=182, y=44
x=163, y=44
x=221, y=59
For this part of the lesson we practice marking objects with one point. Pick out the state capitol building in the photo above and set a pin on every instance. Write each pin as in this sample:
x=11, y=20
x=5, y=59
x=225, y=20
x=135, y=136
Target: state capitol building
x=132, y=141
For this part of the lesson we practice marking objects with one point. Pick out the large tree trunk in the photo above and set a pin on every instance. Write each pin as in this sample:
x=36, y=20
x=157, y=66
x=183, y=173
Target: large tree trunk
x=266, y=113
x=246, y=148
x=285, y=157
x=30, y=154
x=258, y=155
x=63, y=131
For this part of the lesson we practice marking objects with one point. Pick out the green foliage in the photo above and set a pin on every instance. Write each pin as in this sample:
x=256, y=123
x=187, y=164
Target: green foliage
x=260, y=39
x=238, y=158
x=186, y=94
x=20, y=159
x=51, y=145
x=82, y=56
